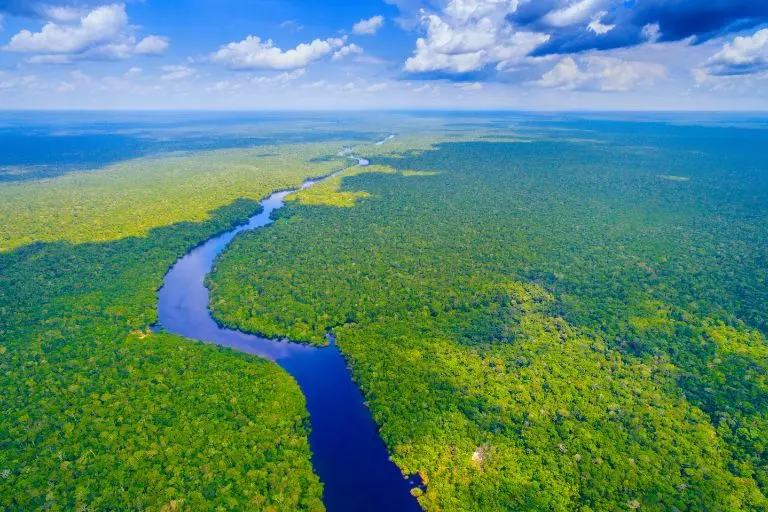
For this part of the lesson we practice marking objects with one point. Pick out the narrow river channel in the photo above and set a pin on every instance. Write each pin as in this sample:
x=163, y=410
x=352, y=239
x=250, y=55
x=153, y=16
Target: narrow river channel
x=347, y=453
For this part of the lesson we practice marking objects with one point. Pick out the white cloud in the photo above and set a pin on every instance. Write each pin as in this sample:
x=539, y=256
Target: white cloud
x=734, y=85
x=100, y=26
x=369, y=26
x=745, y=55
x=606, y=74
x=290, y=76
x=133, y=72
x=344, y=51
x=50, y=59
x=470, y=35
x=253, y=53
x=565, y=75
x=175, y=73
x=464, y=11
x=61, y=13
x=574, y=13
x=152, y=45
x=76, y=79
x=101, y=34
x=613, y=74
x=652, y=32
x=598, y=27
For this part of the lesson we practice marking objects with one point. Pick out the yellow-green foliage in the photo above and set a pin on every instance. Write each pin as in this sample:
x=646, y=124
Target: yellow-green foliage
x=130, y=198
x=329, y=193
x=153, y=423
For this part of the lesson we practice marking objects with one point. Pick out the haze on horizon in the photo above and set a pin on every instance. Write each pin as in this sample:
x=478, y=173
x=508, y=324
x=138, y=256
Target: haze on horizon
x=384, y=54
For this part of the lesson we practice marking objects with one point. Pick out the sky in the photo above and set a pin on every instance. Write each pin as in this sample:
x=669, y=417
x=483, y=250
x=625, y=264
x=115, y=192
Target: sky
x=643, y=55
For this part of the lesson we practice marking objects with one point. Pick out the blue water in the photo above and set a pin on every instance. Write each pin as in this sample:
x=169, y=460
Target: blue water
x=347, y=453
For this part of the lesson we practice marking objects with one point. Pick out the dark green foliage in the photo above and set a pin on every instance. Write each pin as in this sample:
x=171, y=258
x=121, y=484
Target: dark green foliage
x=144, y=424
x=98, y=413
x=556, y=325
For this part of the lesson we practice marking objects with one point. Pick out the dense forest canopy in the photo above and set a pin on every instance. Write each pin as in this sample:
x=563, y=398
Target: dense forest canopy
x=543, y=314
x=98, y=412
x=572, y=322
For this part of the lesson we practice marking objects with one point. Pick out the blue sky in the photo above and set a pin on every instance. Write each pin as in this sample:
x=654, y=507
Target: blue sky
x=339, y=54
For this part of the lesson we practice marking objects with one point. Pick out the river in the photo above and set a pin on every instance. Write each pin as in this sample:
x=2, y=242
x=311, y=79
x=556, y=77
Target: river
x=347, y=453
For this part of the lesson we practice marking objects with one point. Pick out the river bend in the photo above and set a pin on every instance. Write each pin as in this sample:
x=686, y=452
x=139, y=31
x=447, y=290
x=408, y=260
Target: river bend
x=347, y=453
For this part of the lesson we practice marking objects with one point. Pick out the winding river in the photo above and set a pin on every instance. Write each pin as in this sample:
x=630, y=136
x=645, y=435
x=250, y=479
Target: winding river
x=347, y=453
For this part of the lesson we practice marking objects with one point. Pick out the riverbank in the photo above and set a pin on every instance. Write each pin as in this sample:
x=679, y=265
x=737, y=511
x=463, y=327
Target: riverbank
x=348, y=455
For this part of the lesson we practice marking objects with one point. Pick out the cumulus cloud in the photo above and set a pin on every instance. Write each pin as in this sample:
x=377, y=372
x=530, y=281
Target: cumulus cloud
x=103, y=33
x=61, y=13
x=565, y=75
x=344, y=51
x=578, y=25
x=253, y=53
x=470, y=35
x=745, y=55
x=599, y=73
x=100, y=26
x=562, y=27
x=573, y=13
x=369, y=26
x=597, y=26
x=478, y=39
x=152, y=45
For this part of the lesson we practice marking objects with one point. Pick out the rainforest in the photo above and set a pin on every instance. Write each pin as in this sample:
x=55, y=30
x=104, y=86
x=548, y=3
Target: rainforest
x=471, y=311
